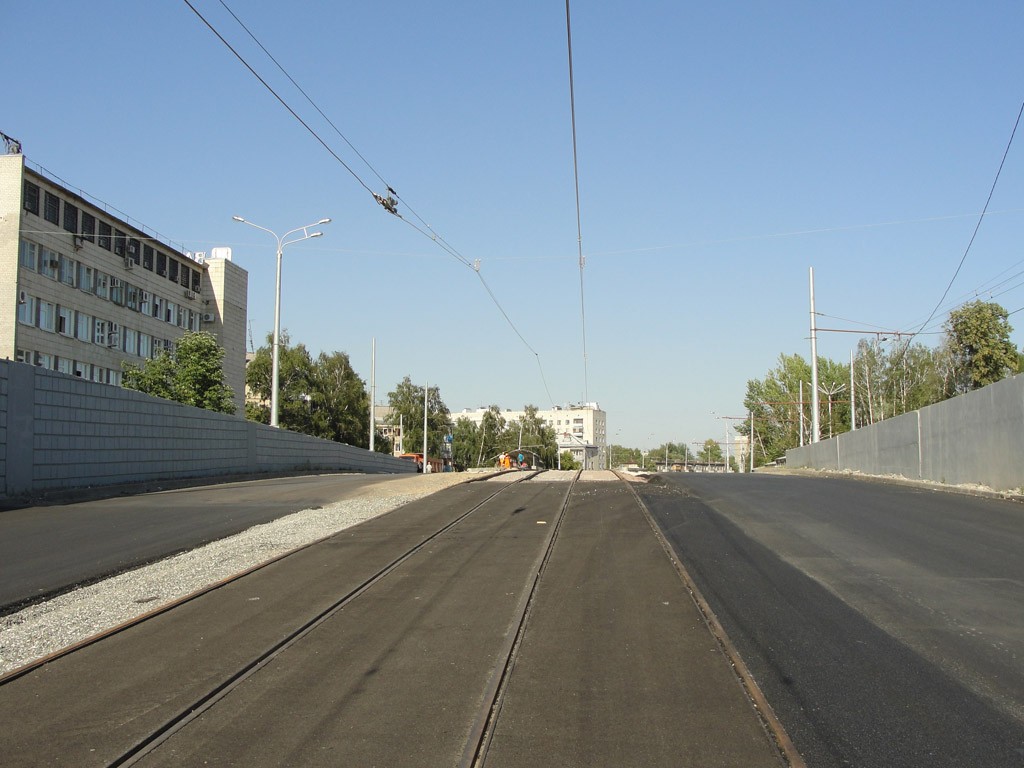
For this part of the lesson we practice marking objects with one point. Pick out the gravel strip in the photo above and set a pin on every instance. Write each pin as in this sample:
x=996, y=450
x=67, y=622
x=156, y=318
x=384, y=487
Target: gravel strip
x=44, y=629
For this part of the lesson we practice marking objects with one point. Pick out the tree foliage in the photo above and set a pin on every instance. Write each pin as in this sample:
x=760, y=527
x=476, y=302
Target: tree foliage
x=406, y=402
x=322, y=397
x=978, y=338
x=192, y=374
x=480, y=445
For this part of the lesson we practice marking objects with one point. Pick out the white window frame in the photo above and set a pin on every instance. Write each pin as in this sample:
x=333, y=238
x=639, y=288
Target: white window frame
x=48, y=316
x=99, y=335
x=102, y=285
x=83, y=326
x=27, y=313
x=28, y=255
x=65, y=321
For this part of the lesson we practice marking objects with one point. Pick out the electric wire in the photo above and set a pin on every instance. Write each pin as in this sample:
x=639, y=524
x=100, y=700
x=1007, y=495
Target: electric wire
x=275, y=94
x=978, y=225
x=329, y=121
x=433, y=236
x=576, y=177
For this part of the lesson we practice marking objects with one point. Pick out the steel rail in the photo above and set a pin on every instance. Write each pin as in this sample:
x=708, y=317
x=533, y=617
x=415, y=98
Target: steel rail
x=480, y=734
x=769, y=721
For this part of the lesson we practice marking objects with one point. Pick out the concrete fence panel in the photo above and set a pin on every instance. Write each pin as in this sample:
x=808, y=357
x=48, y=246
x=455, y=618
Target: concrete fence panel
x=61, y=432
x=974, y=438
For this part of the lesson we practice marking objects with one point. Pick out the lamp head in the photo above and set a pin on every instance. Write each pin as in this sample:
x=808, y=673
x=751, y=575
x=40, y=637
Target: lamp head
x=238, y=218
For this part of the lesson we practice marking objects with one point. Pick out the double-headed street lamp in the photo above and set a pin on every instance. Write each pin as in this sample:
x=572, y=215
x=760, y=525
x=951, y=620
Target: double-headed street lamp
x=281, y=243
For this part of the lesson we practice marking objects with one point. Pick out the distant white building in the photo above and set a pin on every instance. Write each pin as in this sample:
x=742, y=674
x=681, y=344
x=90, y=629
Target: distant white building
x=580, y=429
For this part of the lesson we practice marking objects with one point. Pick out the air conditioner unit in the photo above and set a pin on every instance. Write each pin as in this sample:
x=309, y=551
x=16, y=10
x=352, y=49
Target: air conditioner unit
x=189, y=294
x=128, y=263
x=113, y=340
x=209, y=317
x=79, y=241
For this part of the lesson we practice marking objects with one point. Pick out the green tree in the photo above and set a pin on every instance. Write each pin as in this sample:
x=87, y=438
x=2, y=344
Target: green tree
x=340, y=404
x=568, y=462
x=978, y=339
x=711, y=452
x=295, y=386
x=192, y=374
x=407, y=404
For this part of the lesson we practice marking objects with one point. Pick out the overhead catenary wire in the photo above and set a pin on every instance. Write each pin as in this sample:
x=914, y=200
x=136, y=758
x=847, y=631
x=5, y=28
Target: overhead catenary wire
x=977, y=226
x=576, y=177
x=431, y=235
x=333, y=126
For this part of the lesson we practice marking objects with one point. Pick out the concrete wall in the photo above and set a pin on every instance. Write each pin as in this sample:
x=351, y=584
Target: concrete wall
x=974, y=438
x=60, y=432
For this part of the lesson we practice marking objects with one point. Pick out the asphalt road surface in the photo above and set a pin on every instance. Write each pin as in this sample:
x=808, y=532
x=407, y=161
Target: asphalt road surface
x=884, y=623
x=44, y=550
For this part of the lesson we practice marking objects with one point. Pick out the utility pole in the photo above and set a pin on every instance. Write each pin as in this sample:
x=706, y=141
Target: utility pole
x=853, y=398
x=426, y=391
x=815, y=430
x=373, y=407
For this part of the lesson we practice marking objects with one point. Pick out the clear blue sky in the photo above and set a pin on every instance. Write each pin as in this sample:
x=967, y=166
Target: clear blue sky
x=724, y=148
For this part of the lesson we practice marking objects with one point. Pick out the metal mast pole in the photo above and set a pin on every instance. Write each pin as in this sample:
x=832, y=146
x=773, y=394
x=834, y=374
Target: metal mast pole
x=815, y=429
x=426, y=391
x=853, y=397
x=373, y=407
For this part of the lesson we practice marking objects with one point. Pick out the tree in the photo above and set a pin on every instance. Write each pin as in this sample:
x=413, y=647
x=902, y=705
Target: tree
x=568, y=462
x=407, y=402
x=192, y=373
x=711, y=452
x=295, y=385
x=340, y=405
x=978, y=339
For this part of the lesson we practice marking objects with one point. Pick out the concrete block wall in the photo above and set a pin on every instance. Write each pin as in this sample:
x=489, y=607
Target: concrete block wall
x=62, y=432
x=975, y=438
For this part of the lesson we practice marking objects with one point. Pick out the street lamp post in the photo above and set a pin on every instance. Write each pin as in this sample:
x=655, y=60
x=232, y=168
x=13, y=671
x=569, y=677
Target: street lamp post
x=281, y=243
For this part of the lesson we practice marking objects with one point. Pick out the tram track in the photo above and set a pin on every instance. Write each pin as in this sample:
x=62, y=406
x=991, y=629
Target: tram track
x=143, y=744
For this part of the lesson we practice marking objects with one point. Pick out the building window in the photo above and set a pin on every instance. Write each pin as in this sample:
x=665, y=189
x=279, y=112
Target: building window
x=193, y=321
x=186, y=277
x=115, y=378
x=28, y=256
x=117, y=291
x=83, y=327
x=22, y=356
x=51, y=208
x=47, y=316
x=131, y=341
x=64, y=365
x=43, y=360
x=196, y=280
x=81, y=370
x=145, y=345
x=49, y=263
x=119, y=242
x=65, y=321
x=99, y=375
x=134, y=250
x=66, y=271
x=183, y=317
x=27, y=311
x=131, y=297
x=161, y=264
x=147, y=257
x=70, y=217
x=172, y=274
x=103, y=239
x=171, y=312
x=31, y=198
x=158, y=307
x=102, y=284
x=86, y=278
x=99, y=335
x=89, y=227
x=145, y=306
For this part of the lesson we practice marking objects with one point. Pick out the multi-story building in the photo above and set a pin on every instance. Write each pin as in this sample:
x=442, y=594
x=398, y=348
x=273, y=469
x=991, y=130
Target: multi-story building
x=580, y=429
x=82, y=289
